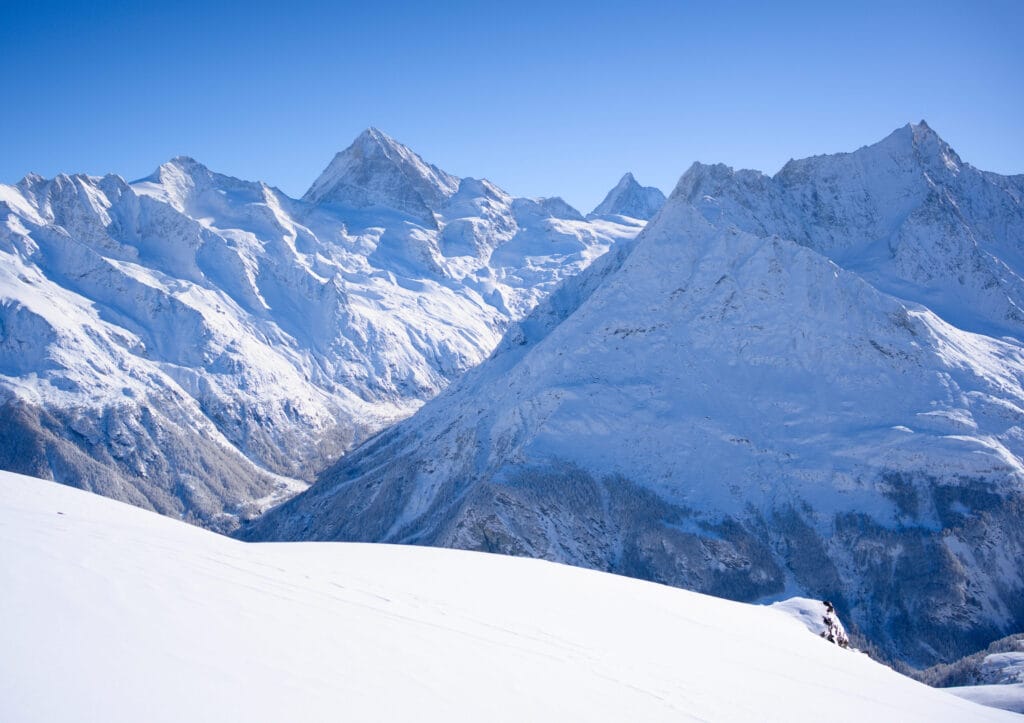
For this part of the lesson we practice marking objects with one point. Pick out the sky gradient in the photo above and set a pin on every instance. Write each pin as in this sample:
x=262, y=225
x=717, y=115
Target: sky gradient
x=558, y=100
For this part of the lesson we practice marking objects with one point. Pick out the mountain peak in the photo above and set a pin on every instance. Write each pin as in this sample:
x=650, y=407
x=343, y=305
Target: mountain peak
x=910, y=150
x=375, y=137
x=378, y=171
x=185, y=161
x=178, y=171
x=629, y=198
x=919, y=140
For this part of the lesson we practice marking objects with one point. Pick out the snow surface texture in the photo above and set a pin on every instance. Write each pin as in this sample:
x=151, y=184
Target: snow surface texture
x=737, y=403
x=117, y=614
x=198, y=345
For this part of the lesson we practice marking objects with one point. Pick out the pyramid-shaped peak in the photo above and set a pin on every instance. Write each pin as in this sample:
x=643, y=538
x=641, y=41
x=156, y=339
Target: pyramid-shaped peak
x=378, y=171
x=919, y=136
x=629, y=198
x=922, y=130
x=375, y=137
x=376, y=134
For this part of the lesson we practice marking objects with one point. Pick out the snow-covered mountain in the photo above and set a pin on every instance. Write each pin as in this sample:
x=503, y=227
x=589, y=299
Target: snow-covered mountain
x=199, y=345
x=751, y=400
x=630, y=199
x=377, y=172
x=117, y=614
x=906, y=214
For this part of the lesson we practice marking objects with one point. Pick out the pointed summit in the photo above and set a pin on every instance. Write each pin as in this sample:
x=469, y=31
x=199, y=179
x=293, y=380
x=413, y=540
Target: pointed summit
x=932, y=149
x=378, y=171
x=629, y=198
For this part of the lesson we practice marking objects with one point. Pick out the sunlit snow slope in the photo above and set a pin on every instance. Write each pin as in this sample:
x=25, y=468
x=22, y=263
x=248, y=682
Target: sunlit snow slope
x=112, y=613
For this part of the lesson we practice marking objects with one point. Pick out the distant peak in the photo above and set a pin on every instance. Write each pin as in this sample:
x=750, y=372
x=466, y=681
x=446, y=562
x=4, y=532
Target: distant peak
x=178, y=172
x=909, y=134
x=560, y=208
x=912, y=143
x=376, y=136
x=378, y=171
x=629, y=198
x=922, y=142
x=31, y=179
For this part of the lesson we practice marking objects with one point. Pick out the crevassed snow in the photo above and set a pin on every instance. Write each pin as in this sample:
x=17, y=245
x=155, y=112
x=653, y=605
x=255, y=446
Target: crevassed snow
x=112, y=613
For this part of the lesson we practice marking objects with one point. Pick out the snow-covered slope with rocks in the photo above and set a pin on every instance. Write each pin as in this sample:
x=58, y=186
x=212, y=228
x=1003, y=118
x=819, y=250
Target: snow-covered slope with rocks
x=117, y=614
x=818, y=616
x=630, y=199
x=737, y=404
x=199, y=345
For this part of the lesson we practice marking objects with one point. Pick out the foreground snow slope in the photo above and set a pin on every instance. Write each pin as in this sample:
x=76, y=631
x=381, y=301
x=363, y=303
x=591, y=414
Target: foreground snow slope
x=179, y=341
x=117, y=614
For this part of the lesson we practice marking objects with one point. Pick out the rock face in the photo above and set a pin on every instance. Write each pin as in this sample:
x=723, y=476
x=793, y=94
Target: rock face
x=741, y=403
x=201, y=345
x=818, y=616
x=630, y=199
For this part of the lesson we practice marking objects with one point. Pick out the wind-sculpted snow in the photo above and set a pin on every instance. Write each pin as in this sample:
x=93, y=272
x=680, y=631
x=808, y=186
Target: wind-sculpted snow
x=198, y=344
x=116, y=614
x=720, y=407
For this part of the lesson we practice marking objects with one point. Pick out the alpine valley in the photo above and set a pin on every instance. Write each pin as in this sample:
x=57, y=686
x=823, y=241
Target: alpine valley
x=808, y=384
x=203, y=346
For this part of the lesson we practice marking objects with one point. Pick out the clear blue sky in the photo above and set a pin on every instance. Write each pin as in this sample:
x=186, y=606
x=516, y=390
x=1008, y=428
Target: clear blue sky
x=541, y=98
